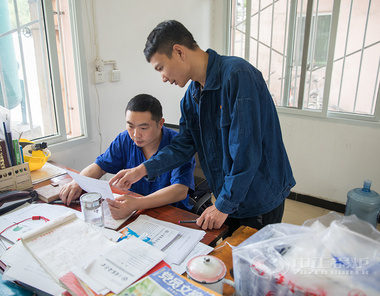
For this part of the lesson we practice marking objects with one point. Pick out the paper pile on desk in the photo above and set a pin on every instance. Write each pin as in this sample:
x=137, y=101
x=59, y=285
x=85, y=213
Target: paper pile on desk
x=177, y=247
x=26, y=211
x=68, y=244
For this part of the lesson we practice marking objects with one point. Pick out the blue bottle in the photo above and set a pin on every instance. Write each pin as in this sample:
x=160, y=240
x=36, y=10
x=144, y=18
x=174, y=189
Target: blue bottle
x=364, y=203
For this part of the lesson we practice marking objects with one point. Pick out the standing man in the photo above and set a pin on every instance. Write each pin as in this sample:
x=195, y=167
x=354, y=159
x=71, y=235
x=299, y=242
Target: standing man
x=229, y=118
x=144, y=137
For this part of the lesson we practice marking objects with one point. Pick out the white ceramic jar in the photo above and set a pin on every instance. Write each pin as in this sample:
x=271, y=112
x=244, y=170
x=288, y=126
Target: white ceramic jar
x=208, y=271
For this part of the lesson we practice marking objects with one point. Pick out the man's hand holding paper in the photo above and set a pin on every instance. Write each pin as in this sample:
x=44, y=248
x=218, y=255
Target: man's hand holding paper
x=122, y=206
x=125, y=178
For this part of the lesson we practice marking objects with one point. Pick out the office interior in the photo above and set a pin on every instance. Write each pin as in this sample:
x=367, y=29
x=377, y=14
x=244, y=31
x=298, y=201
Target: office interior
x=329, y=157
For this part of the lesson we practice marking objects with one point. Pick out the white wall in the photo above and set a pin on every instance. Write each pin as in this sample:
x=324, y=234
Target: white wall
x=331, y=158
x=328, y=158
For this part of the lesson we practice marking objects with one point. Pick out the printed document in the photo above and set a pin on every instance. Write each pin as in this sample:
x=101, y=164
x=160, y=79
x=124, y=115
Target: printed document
x=59, y=244
x=27, y=211
x=160, y=236
x=123, y=264
x=93, y=185
x=176, y=249
x=23, y=267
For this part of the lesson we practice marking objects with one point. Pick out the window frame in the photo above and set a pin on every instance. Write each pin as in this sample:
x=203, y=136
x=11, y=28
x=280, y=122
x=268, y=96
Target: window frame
x=324, y=113
x=80, y=69
x=48, y=33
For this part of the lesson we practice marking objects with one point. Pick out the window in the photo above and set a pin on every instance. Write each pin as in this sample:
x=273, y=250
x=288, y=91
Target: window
x=318, y=57
x=40, y=81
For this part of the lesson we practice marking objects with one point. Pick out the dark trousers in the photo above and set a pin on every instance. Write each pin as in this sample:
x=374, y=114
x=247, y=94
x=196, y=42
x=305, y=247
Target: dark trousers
x=258, y=222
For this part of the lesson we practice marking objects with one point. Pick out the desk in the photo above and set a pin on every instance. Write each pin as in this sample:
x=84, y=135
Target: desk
x=224, y=252
x=166, y=213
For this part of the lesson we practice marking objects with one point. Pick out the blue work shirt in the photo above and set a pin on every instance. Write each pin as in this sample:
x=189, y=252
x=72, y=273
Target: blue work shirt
x=124, y=154
x=233, y=125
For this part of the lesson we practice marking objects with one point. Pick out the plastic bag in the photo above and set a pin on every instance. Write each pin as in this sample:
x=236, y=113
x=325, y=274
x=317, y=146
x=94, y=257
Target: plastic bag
x=330, y=255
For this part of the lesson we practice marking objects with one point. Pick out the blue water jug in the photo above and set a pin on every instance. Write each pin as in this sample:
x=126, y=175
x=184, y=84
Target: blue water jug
x=364, y=203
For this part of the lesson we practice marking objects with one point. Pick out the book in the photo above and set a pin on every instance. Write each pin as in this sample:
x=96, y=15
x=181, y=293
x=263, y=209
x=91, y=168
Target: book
x=76, y=287
x=4, y=157
x=8, y=140
x=10, y=288
x=166, y=282
x=52, y=243
x=49, y=193
x=16, y=151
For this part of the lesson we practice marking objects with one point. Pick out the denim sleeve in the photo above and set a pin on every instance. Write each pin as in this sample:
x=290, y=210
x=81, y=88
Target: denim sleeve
x=242, y=140
x=184, y=174
x=180, y=151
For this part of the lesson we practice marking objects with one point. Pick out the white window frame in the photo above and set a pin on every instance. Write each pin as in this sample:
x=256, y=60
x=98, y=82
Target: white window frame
x=324, y=113
x=81, y=73
x=80, y=68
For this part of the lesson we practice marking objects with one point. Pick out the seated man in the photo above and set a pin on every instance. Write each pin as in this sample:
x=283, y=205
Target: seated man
x=144, y=137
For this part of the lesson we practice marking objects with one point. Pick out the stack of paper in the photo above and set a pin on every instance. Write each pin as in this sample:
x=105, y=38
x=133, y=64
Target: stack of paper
x=69, y=245
x=175, y=240
x=119, y=266
x=13, y=233
x=21, y=265
x=60, y=244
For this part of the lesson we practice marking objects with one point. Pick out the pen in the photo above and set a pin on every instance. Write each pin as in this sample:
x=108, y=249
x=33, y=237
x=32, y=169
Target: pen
x=187, y=221
x=59, y=201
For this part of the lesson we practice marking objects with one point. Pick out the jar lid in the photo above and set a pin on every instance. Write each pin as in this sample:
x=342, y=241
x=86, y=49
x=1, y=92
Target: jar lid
x=206, y=269
x=91, y=200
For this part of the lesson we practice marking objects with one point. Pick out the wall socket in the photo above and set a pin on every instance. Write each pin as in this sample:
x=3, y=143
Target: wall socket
x=115, y=75
x=100, y=77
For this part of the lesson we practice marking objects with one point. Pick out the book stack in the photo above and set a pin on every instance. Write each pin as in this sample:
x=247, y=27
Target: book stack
x=159, y=281
x=10, y=150
x=84, y=262
x=14, y=173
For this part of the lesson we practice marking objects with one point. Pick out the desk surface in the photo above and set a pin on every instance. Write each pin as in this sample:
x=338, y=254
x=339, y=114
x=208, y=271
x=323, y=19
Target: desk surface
x=224, y=252
x=166, y=213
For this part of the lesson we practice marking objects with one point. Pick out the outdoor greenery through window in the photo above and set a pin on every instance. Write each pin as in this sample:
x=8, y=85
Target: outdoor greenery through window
x=318, y=56
x=39, y=69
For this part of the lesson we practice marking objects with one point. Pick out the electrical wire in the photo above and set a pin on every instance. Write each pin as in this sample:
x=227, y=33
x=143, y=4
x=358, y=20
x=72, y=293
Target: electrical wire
x=32, y=218
x=91, y=18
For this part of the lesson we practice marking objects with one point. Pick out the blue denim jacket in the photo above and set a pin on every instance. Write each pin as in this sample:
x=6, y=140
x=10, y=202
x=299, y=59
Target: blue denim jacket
x=233, y=125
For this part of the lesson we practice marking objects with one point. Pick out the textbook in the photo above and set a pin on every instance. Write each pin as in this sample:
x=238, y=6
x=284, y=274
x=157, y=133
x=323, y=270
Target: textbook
x=4, y=155
x=76, y=287
x=166, y=282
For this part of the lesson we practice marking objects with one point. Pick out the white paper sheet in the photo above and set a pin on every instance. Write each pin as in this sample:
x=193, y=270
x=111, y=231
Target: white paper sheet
x=27, y=211
x=125, y=263
x=110, y=222
x=181, y=246
x=160, y=236
x=93, y=185
x=23, y=267
x=200, y=249
x=60, y=244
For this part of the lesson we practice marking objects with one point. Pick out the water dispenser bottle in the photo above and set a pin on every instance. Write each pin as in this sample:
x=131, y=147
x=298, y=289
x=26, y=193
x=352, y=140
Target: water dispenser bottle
x=364, y=203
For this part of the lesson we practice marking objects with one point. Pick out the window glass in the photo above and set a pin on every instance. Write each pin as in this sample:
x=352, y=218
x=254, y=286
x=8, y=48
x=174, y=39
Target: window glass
x=339, y=79
x=36, y=59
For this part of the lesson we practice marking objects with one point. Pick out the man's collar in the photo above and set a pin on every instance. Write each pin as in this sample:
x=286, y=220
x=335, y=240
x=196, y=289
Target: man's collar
x=213, y=73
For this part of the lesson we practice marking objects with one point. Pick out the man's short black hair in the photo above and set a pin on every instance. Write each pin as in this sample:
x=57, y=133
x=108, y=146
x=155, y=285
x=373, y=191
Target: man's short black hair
x=143, y=103
x=164, y=36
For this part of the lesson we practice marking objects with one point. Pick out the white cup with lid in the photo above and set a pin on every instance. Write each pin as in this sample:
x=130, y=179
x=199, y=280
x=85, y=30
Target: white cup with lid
x=208, y=271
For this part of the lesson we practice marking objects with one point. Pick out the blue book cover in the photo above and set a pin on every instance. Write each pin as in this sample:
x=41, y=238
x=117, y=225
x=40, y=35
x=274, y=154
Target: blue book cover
x=164, y=282
x=11, y=289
